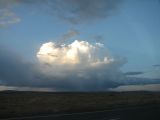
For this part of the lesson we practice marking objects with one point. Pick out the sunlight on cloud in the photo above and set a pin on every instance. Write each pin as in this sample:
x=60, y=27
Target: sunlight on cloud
x=78, y=52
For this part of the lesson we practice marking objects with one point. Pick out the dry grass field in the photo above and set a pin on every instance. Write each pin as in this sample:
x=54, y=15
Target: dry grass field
x=16, y=104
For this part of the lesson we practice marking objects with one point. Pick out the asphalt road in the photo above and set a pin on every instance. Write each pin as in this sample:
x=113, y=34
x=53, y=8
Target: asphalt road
x=132, y=113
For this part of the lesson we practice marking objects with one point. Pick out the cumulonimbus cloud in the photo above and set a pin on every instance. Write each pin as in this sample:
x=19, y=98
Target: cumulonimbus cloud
x=79, y=66
x=85, y=65
x=76, y=66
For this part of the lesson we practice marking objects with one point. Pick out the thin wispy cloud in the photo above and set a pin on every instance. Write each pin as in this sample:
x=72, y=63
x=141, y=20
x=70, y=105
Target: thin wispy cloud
x=8, y=17
x=156, y=65
x=133, y=73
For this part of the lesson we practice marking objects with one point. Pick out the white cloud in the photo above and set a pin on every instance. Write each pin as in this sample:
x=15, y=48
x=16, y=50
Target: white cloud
x=100, y=44
x=78, y=52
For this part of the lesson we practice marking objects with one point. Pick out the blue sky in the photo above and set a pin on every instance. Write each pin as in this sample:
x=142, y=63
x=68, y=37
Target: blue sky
x=131, y=31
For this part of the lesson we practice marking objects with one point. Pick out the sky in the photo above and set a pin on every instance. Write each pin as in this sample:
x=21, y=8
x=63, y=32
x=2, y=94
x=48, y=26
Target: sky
x=79, y=44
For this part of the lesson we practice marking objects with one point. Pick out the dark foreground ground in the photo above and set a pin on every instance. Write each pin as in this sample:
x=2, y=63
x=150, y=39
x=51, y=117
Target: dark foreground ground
x=131, y=113
x=80, y=106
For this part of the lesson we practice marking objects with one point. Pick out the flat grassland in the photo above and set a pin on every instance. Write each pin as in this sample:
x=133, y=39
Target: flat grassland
x=17, y=104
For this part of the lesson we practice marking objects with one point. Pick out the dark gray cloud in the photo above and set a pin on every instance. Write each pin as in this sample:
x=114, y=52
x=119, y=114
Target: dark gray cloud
x=78, y=11
x=134, y=73
x=7, y=3
x=156, y=65
x=98, y=38
x=140, y=81
x=13, y=69
x=73, y=11
x=71, y=33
